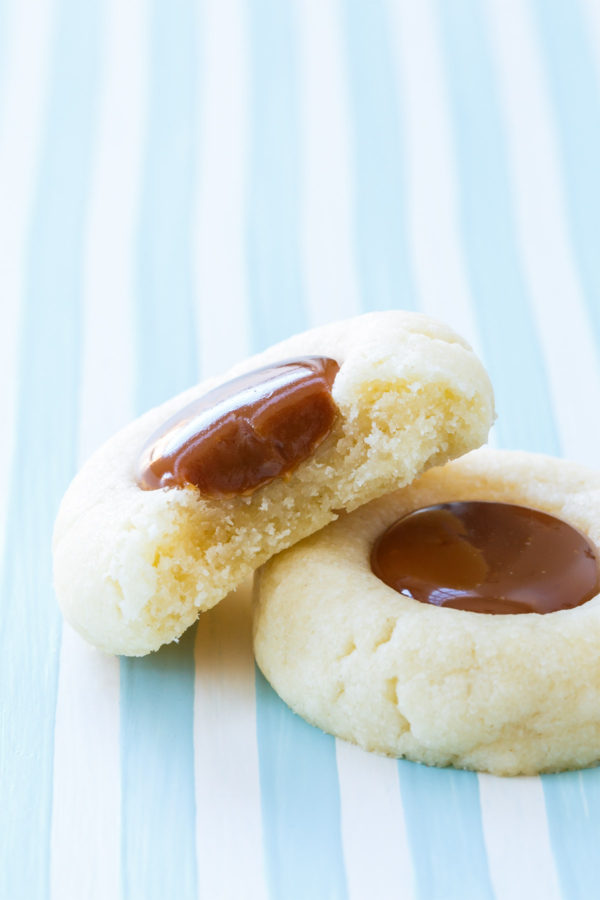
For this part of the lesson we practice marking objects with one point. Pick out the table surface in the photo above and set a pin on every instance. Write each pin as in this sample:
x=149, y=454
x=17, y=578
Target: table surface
x=181, y=184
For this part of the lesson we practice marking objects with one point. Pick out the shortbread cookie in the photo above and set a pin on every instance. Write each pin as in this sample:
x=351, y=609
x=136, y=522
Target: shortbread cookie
x=139, y=550
x=501, y=693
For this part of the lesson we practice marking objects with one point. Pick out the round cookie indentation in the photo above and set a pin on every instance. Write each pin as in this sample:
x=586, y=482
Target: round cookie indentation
x=506, y=694
x=485, y=557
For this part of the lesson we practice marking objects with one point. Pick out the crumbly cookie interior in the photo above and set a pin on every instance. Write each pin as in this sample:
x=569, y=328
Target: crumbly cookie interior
x=359, y=463
x=160, y=557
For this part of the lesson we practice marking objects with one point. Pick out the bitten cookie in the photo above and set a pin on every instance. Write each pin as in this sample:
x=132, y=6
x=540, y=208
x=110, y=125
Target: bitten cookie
x=506, y=694
x=165, y=519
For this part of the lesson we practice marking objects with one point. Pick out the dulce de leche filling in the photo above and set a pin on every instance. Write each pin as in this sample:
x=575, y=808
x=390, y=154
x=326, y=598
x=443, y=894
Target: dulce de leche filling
x=487, y=557
x=246, y=432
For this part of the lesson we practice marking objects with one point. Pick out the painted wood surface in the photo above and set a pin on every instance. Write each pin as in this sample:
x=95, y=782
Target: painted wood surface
x=183, y=183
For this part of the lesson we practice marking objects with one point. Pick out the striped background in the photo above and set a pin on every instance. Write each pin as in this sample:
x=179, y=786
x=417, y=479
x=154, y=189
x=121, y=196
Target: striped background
x=182, y=183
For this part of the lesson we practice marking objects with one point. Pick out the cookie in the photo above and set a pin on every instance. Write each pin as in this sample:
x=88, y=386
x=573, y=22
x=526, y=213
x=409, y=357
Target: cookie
x=179, y=507
x=504, y=693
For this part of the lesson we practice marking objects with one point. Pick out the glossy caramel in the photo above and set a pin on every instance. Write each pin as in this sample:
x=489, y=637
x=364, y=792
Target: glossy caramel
x=488, y=557
x=246, y=432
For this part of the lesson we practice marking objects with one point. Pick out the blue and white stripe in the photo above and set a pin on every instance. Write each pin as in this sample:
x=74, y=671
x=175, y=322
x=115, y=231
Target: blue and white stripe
x=182, y=184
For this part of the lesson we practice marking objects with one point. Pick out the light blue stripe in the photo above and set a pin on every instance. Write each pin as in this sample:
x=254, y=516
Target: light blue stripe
x=573, y=798
x=275, y=277
x=574, y=83
x=300, y=802
x=298, y=770
x=573, y=807
x=165, y=290
x=442, y=811
x=46, y=439
x=381, y=245
x=157, y=692
x=157, y=752
x=510, y=343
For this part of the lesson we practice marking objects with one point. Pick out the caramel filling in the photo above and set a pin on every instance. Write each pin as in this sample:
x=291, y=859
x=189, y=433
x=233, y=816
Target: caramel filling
x=488, y=557
x=246, y=432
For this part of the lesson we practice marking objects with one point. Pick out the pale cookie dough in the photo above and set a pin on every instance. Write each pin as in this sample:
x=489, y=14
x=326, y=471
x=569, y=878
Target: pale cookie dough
x=134, y=568
x=506, y=694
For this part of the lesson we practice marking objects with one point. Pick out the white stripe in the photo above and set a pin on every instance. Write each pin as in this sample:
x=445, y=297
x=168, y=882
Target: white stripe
x=517, y=839
x=432, y=176
x=559, y=308
x=327, y=214
x=227, y=783
x=432, y=180
x=86, y=838
x=372, y=823
x=591, y=12
x=109, y=273
x=222, y=316
x=86, y=813
x=28, y=43
x=514, y=815
x=228, y=808
x=376, y=851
